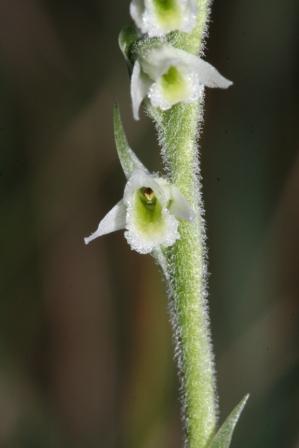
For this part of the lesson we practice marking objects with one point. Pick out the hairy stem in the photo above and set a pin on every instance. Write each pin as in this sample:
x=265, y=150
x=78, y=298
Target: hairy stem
x=186, y=264
x=187, y=272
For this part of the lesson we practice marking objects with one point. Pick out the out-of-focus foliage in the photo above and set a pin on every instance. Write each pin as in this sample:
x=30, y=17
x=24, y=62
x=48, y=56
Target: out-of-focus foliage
x=85, y=347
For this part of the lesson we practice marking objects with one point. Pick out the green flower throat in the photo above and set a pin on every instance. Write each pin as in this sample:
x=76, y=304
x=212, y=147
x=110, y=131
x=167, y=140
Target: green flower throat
x=173, y=85
x=148, y=210
x=167, y=11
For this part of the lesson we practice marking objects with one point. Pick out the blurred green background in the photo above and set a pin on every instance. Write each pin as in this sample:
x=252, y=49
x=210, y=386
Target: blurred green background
x=85, y=346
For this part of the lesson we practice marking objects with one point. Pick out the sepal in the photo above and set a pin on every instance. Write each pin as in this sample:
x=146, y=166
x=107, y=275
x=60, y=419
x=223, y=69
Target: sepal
x=179, y=206
x=113, y=221
x=139, y=88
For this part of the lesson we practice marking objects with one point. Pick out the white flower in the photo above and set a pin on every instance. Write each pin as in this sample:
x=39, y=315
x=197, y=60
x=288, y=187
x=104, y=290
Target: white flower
x=158, y=17
x=149, y=212
x=168, y=75
x=151, y=207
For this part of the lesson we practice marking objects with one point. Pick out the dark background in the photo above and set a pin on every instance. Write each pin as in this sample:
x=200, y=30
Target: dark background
x=85, y=346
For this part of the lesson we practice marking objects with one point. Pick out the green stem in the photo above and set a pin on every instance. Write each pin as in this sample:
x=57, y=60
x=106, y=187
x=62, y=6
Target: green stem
x=186, y=260
x=187, y=272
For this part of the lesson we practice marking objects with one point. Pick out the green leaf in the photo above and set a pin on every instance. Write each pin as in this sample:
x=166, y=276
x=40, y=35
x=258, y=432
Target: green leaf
x=128, y=159
x=223, y=437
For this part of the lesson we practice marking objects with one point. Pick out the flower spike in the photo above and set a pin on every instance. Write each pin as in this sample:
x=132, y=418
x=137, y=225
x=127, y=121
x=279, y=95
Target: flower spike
x=159, y=17
x=168, y=75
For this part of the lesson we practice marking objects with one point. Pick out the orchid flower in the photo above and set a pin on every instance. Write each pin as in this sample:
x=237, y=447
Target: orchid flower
x=158, y=17
x=168, y=75
x=150, y=209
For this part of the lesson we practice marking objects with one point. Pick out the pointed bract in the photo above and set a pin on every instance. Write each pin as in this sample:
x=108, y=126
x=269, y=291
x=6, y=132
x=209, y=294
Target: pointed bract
x=127, y=37
x=128, y=159
x=223, y=437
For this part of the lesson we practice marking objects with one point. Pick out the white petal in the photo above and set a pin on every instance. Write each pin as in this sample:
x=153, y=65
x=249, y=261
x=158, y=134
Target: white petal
x=159, y=60
x=114, y=220
x=189, y=17
x=136, y=11
x=180, y=207
x=209, y=76
x=140, y=85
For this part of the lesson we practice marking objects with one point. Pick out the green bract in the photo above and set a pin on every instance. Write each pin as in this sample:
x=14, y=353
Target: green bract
x=223, y=437
x=127, y=37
